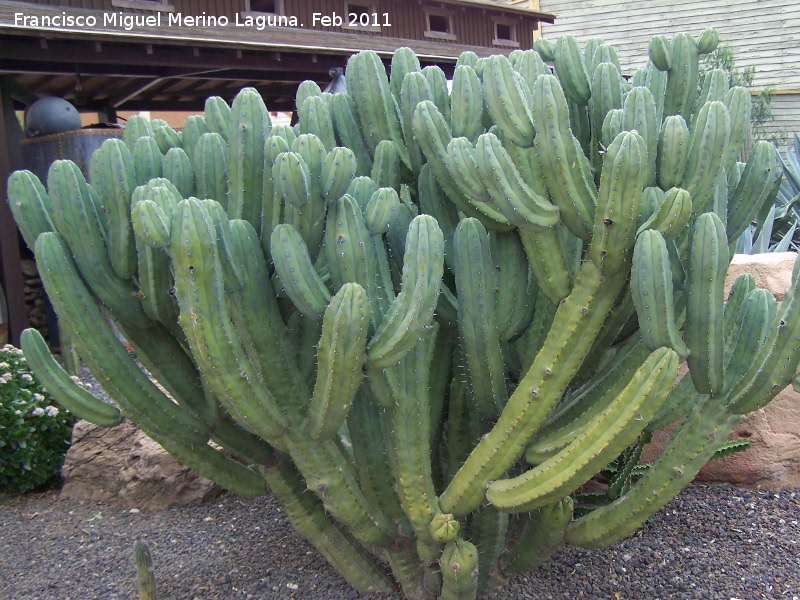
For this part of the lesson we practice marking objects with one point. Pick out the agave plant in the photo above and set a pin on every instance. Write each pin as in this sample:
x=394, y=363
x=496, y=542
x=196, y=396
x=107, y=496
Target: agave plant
x=776, y=225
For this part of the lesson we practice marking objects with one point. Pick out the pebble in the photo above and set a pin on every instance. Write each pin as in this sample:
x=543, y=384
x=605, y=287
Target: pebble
x=713, y=542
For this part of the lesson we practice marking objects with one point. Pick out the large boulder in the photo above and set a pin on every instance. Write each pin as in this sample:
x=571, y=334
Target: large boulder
x=120, y=465
x=773, y=460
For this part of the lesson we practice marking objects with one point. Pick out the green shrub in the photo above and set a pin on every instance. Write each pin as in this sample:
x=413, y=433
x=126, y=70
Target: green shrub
x=34, y=433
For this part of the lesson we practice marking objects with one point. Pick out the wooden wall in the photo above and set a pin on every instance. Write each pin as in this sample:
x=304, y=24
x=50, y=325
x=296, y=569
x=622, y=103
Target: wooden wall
x=472, y=26
x=765, y=35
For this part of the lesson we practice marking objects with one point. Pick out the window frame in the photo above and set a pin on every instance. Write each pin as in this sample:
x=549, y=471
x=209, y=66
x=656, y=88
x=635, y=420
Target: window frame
x=372, y=9
x=151, y=5
x=439, y=35
x=248, y=11
x=512, y=25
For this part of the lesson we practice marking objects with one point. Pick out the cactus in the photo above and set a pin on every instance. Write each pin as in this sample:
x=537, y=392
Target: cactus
x=418, y=312
x=145, y=575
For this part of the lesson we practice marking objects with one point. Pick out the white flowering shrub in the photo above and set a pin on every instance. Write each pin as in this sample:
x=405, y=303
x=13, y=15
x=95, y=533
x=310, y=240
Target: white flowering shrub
x=34, y=432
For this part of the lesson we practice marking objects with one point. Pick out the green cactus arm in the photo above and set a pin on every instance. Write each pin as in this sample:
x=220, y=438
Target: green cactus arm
x=105, y=356
x=135, y=127
x=218, y=117
x=754, y=323
x=581, y=409
x=193, y=127
x=639, y=113
x=740, y=106
x=506, y=100
x=297, y=273
x=214, y=343
x=409, y=421
x=512, y=196
x=331, y=477
x=705, y=295
x=542, y=537
x=386, y=166
x=440, y=94
x=341, y=354
x=348, y=131
x=292, y=178
x=166, y=138
x=412, y=311
x=404, y=61
x=488, y=531
x=308, y=517
x=672, y=151
x=651, y=287
x=315, y=118
x=476, y=281
x=561, y=158
x=681, y=88
x=367, y=423
x=607, y=92
x=710, y=135
x=466, y=104
x=714, y=88
x=111, y=173
x=147, y=160
x=151, y=227
x=546, y=259
x=30, y=205
x=610, y=370
x=75, y=398
x=433, y=135
x=77, y=222
x=581, y=315
x=618, y=204
x=210, y=163
x=695, y=441
x=178, y=169
x=671, y=216
x=571, y=70
x=338, y=171
x=775, y=364
x=353, y=255
x=463, y=161
x=514, y=311
x=610, y=433
x=660, y=52
x=376, y=107
x=754, y=190
x=459, y=563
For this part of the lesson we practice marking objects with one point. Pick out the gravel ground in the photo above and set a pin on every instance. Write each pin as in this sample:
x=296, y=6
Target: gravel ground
x=712, y=542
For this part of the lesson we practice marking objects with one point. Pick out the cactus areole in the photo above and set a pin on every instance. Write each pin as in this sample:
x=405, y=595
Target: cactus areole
x=424, y=320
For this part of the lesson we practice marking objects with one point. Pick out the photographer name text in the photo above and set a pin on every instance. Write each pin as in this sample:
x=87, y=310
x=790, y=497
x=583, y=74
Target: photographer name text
x=128, y=22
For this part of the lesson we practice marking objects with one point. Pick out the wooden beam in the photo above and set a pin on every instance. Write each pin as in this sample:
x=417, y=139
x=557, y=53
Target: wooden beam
x=10, y=266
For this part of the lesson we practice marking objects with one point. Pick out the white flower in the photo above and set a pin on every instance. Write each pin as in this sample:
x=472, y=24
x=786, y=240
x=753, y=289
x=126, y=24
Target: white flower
x=5, y=366
x=27, y=377
x=18, y=413
x=4, y=378
x=38, y=398
x=38, y=411
x=51, y=411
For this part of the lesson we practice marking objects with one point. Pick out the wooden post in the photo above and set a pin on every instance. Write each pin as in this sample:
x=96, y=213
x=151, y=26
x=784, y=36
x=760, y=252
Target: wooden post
x=10, y=268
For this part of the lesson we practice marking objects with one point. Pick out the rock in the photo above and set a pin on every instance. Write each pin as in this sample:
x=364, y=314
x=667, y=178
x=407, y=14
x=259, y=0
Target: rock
x=121, y=465
x=772, y=271
x=773, y=460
